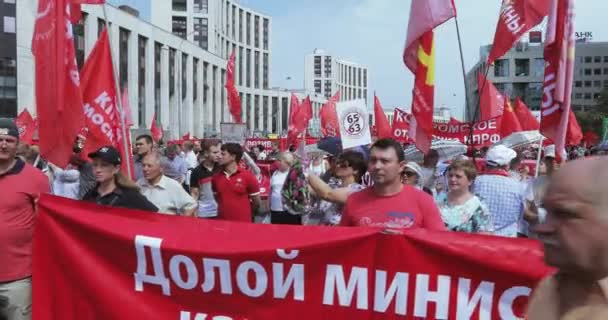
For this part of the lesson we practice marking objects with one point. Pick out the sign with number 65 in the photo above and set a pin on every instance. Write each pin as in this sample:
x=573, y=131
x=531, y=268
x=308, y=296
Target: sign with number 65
x=354, y=123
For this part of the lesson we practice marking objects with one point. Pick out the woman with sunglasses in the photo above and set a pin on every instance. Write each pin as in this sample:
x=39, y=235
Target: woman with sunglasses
x=412, y=175
x=460, y=209
x=350, y=167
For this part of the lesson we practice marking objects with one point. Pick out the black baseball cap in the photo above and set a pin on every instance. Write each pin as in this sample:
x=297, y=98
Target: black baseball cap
x=9, y=128
x=108, y=154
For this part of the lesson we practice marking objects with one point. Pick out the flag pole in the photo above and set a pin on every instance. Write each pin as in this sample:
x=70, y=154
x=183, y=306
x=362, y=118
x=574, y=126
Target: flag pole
x=118, y=92
x=538, y=156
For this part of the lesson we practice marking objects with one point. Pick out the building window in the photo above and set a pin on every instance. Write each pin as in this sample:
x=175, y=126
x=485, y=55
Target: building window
x=124, y=57
x=256, y=111
x=240, y=25
x=587, y=96
x=256, y=70
x=317, y=66
x=248, y=111
x=501, y=68
x=522, y=67
x=201, y=32
x=78, y=31
x=588, y=59
x=588, y=84
x=578, y=84
x=265, y=71
x=605, y=83
x=101, y=25
x=597, y=59
x=596, y=96
x=214, y=96
x=578, y=95
x=9, y=25
x=241, y=57
x=157, y=78
x=317, y=86
x=8, y=87
x=597, y=71
x=365, y=79
x=265, y=124
x=248, y=68
x=248, y=30
x=275, y=115
x=223, y=94
x=265, y=31
x=171, y=72
x=587, y=72
x=285, y=114
x=180, y=5
x=256, y=30
x=597, y=83
x=180, y=27
x=201, y=6
x=205, y=83
x=142, y=43
x=233, y=22
x=184, y=75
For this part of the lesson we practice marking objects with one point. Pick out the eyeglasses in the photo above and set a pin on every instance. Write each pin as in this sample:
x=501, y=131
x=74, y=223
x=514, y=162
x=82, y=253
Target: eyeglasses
x=410, y=174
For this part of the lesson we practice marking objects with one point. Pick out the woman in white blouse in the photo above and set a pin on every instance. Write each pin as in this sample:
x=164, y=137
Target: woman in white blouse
x=278, y=215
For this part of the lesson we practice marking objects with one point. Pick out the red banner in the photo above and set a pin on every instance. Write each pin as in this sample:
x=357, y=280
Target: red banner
x=485, y=133
x=27, y=126
x=87, y=259
x=401, y=125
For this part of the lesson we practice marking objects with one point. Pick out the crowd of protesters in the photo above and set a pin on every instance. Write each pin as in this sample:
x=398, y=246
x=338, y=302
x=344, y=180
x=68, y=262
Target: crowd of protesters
x=370, y=187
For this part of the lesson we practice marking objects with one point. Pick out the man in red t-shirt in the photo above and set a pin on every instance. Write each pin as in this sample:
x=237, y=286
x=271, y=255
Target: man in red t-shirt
x=234, y=186
x=21, y=185
x=389, y=204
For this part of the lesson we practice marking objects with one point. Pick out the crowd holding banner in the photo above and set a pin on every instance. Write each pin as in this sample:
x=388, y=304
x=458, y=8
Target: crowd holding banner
x=100, y=255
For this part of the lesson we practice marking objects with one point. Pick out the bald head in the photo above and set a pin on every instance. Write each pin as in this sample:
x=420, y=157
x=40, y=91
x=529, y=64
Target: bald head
x=585, y=180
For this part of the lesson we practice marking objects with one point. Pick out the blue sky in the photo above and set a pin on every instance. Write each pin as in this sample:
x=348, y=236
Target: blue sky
x=372, y=33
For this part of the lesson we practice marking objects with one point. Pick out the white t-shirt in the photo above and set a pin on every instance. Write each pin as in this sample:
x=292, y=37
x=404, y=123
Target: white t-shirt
x=167, y=195
x=276, y=186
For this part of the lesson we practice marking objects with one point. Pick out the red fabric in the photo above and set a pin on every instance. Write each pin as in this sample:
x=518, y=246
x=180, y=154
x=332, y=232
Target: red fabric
x=401, y=126
x=510, y=123
x=27, y=126
x=232, y=194
x=424, y=17
x=58, y=96
x=234, y=100
x=559, y=73
x=591, y=138
x=157, y=133
x=17, y=220
x=330, y=127
x=186, y=136
x=76, y=11
x=423, y=95
x=300, y=120
x=485, y=133
x=410, y=208
x=526, y=119
x=575, y=133
x=293, y=109
x=86, y=261
x=383, y=128
x=516, y=18
x=491, y=102
x=497, y=172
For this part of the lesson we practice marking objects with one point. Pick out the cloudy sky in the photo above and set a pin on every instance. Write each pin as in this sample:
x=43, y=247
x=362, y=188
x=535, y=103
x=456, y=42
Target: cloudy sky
x=372, y=33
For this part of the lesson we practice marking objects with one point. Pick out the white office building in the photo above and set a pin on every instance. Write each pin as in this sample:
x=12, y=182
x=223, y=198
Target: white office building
x=325, y=74
x=174, y=72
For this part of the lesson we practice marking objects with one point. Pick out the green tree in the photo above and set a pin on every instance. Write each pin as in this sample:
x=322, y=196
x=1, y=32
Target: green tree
x=592, y=120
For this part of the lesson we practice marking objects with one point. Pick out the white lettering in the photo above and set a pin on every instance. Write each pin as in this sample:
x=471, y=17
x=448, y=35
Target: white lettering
x=97, y=119
x=398, y=287
x=105, y=102
x=88, y=110
x=288, y=256
x=465, y=306
x=159, y=278
x=185, y=315
x=295, y=279
x=505, y=304
x=261, y=279
x=334, y=280
x=223, y=267
x=549, y=106
x=424, y=296
x=191, y=272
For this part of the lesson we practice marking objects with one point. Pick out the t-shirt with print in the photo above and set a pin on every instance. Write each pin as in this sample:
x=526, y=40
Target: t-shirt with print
x=410, y=208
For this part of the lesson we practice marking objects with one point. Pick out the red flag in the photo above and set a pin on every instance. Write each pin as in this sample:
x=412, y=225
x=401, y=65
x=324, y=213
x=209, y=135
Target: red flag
x=126, y=106
x=58, y=96
x=419, y=57
x=401, y=125
x=157, y=133
x=300, y=121
x=383, y=128
x=293, y=108
x=491, y=101
x=102, y=118
x=510, y=123
x=330, y=127
x=575, y=133
x=27, y=126
x=591, y=138
x=234, y=101
x=516, y=18
x=526, y=119
x=559, y=71
x=186, y=137
x=76, y=11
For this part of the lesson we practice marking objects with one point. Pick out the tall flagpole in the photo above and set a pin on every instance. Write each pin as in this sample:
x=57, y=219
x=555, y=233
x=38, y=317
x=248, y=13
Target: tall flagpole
x=118, y=92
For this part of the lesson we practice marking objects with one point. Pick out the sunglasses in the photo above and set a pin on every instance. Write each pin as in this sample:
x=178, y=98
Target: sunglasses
x=410, y=174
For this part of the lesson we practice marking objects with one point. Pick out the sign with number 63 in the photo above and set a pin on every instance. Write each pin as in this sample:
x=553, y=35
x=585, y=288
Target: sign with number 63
x=354, y=123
